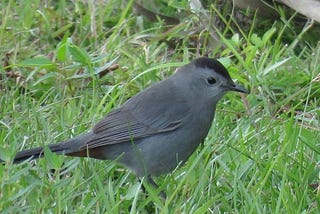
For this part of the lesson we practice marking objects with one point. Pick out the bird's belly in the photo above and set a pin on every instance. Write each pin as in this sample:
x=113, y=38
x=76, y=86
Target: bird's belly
x=161, y=153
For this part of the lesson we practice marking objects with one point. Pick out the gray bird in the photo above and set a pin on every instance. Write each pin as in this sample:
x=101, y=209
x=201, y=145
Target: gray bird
x=158, y=128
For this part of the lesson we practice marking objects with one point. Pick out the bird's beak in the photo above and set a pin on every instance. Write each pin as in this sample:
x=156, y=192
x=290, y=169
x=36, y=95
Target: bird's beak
x=239, y=88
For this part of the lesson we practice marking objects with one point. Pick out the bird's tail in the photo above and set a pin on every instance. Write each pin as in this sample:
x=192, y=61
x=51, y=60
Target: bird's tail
x=38, y=152
x=66, y=147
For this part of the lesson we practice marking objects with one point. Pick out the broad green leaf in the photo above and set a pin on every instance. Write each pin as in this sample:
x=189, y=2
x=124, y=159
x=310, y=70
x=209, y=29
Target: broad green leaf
x=55, y=161
x=79, y=54
x=62, y=48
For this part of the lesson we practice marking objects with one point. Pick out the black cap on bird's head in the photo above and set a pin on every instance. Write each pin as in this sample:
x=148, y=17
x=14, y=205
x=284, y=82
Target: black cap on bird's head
x=215, y=65
x=204, y=62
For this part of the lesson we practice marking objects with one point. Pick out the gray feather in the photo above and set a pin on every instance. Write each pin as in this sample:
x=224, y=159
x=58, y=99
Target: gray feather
x=139, y=117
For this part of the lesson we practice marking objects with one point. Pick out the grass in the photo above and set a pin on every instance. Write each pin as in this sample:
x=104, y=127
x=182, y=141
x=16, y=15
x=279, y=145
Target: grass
x=261, y=155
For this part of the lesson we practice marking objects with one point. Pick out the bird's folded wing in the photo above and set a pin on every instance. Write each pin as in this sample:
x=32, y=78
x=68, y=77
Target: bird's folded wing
x=140, y=117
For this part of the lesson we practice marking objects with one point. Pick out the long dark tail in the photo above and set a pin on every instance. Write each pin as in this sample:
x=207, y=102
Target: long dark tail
x=66, y=147
x=38, y=152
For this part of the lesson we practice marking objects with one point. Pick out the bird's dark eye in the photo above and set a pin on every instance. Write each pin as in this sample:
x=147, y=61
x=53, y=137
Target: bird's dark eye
x=211, y=80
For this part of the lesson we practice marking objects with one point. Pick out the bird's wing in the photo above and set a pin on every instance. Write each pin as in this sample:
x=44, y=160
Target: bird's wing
x=155, y=110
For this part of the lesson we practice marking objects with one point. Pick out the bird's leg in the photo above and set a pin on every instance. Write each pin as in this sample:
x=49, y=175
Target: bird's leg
x=154, y=184
x=142, y=186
